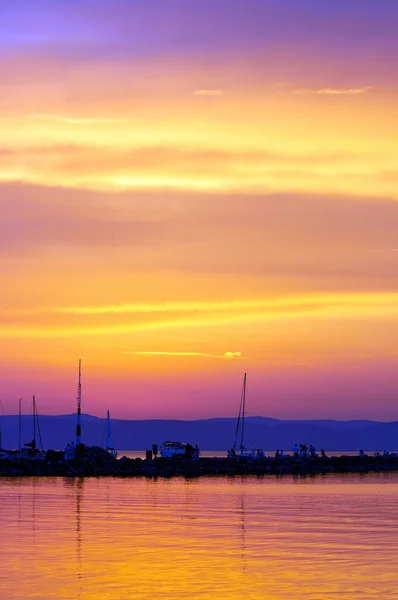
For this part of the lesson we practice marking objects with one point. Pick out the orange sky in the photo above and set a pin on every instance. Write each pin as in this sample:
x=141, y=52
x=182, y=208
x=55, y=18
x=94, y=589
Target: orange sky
x=189, y=199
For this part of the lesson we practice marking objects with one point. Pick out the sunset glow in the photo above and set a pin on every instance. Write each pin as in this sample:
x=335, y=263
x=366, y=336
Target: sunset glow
x=188, y=197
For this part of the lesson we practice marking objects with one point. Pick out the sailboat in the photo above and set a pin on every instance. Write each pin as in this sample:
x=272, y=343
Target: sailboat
x=30, y=449
x=240, y=427
x=109, y=442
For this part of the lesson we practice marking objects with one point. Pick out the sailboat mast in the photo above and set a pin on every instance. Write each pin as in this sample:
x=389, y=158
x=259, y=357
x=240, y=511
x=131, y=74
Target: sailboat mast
x=237, y=424
x=20, y=424
x=108, y=431
x=243, y=411
x=34, y=420
x=79, y=402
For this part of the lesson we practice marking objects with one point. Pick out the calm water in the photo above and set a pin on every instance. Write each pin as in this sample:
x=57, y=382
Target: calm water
x=217, y=538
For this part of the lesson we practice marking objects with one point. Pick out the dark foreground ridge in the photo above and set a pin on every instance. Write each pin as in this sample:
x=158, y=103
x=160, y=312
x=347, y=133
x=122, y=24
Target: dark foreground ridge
x=98, y=463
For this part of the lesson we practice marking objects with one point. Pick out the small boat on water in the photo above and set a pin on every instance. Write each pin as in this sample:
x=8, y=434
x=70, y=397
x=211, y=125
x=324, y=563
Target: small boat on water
x=240, y=428
x=174, y=449
x=109, y=441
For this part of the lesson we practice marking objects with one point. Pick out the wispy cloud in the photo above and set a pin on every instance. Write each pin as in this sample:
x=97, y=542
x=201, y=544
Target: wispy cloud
x=82, y=120
x=280, y=303
x=296, y=303
x=227, y=355
x=333, y=91
x=209, y=93
x=296, y=307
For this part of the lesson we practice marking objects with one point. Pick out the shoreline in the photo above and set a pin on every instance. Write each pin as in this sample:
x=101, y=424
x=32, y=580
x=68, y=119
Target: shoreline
x=194, y=468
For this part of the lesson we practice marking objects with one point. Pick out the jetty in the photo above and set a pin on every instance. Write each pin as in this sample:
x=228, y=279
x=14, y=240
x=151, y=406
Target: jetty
x=97, y=462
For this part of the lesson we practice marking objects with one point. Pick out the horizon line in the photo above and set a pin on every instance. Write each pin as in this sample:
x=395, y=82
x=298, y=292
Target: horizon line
x=233, y=418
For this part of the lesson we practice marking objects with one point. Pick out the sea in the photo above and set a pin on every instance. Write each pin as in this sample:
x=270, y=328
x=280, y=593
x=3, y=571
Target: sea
x=322, y=537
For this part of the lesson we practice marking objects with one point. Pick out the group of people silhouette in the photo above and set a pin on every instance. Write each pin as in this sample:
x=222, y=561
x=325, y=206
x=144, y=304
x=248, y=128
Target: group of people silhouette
x=384, y=453
x=301, y=451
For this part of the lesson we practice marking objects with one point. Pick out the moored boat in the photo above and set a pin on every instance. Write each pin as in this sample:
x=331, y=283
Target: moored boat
x=109, y=441
x=30, y=451
x=174, y=449
x=240, y=428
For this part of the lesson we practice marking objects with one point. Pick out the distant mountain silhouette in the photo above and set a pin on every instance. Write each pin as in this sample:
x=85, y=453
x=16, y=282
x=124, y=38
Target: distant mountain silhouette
x=209, y=434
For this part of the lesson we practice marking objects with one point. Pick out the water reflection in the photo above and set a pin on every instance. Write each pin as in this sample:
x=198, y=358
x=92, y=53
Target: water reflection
x=118, y=539
x=75, y=488
x=79, y=496
x=242, y=531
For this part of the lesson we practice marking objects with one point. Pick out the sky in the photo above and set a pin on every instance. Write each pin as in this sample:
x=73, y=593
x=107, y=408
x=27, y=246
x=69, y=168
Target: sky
x=194, y=190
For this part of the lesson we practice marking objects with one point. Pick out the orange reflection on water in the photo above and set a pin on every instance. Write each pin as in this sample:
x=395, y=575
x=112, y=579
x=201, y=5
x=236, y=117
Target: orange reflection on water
x=277, y=538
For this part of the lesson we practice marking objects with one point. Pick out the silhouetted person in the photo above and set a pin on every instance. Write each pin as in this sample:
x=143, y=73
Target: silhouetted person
x=189, y=451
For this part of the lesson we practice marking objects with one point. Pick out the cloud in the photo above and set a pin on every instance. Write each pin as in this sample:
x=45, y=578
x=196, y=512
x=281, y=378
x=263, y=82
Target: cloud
x=333, y=91
x=189, y=167
x=227, y=355
x=320, y=307
x=282, y=303
x=87, y=158
x=84, y=120
x=89, y=321
x=343, y=240
x=209, y=93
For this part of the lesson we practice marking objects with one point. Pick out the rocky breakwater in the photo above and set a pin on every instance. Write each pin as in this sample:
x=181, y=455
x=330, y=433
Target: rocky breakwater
x=98, y=462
